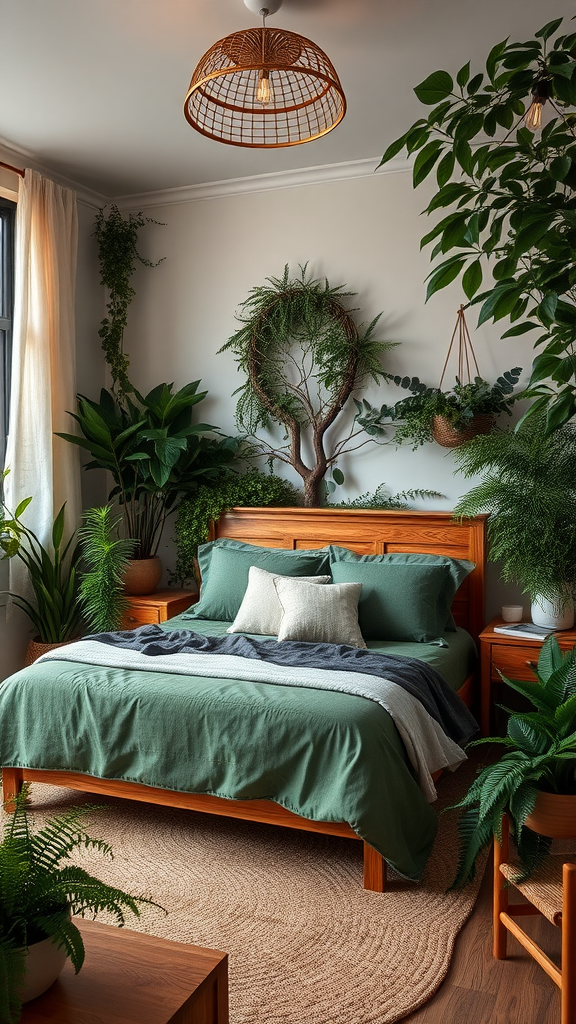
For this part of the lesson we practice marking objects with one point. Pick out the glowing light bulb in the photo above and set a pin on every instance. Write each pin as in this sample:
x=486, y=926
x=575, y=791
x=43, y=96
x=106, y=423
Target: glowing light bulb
x=534, y=115
x=264, y=90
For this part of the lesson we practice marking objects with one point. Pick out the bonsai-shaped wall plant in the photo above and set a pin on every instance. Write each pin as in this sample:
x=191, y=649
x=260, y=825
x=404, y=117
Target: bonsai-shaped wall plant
x=303, y=356
x=117, y=239
x=510, y=189
x=39, y=889
x=539, y=766
x=254, y=489
x=154, y=453
x=106, y=558
x=528, y=485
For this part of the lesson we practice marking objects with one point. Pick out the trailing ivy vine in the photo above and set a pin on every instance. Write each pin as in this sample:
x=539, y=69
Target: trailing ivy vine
x=252, y=489
x=117, y=239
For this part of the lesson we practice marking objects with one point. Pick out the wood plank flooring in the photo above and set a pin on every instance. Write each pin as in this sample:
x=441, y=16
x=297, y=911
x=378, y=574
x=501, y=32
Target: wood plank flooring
x=481, y=990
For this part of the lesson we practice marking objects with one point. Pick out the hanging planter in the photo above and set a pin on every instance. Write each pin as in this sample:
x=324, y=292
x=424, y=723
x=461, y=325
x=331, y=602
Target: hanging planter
x=452, y=417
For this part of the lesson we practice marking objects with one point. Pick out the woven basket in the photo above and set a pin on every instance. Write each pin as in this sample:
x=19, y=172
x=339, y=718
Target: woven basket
x=452, y=437
x=37, y=647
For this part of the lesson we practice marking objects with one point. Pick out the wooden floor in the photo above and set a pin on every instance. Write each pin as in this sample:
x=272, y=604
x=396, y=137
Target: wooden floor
x=481, y=990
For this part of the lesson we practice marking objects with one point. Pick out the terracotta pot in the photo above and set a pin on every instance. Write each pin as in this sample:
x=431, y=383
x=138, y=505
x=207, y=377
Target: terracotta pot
x=554, y=815
x=44, y=963
x=142, y=575
x=451, y=437
x=36, y=647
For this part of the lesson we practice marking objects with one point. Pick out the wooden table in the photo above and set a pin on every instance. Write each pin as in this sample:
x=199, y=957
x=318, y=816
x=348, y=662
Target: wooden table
x=514, y=656
x=157, y=607
x=131, y=978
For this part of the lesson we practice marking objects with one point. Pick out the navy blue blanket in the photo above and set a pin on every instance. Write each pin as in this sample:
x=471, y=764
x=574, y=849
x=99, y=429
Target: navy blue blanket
x=417, y=678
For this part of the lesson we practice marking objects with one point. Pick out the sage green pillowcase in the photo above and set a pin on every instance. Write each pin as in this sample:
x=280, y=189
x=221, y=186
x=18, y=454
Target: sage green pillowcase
x=398, y=602
x=458, y=568
x=225, y=565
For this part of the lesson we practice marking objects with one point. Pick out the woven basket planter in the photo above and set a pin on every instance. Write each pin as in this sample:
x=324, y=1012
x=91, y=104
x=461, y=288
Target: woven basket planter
x=142, y=575
x=36, y=648
x=452, y=437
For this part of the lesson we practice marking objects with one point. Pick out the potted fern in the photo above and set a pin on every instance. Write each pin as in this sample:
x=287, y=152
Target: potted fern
x=534, y=782
x=40, y=891
x=106, y=557
x=527, y=484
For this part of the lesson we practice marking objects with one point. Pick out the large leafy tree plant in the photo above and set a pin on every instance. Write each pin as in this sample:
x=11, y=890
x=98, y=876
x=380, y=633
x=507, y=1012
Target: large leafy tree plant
x=510, y=190
x=304, y=356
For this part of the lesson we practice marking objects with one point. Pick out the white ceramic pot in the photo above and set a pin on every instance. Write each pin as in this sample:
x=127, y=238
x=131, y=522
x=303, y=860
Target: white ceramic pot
x=44, y=963
x=552, y=614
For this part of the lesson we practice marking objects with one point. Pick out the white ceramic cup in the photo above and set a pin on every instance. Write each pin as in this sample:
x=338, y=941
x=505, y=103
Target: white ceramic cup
x=512, y=612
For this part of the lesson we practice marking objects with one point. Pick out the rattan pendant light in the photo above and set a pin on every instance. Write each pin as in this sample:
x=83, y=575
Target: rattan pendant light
x=264, y=88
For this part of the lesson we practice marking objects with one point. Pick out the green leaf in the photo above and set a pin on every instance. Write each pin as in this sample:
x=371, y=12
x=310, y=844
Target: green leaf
x=445, y=169
x=549, y=29
x=472, y=279
x=463, y=75
x=393, y=149
x=425, y=161
x=337, y=475
x=494, y=57
x=559, y=167
x=475, y=84
x=522, y=328
x=444, y=276
x=437, y=87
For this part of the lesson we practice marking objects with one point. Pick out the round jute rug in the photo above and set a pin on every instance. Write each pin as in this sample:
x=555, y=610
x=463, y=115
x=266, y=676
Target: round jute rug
x=306, y=943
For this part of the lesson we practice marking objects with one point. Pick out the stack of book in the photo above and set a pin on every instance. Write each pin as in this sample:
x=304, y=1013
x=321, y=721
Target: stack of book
x=524, y=629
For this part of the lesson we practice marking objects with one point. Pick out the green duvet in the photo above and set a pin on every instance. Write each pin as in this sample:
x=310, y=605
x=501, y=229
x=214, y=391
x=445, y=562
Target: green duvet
x=327, y=756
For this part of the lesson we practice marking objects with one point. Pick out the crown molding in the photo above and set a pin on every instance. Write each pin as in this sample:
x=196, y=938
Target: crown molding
x=22, y=158
x=319, y=175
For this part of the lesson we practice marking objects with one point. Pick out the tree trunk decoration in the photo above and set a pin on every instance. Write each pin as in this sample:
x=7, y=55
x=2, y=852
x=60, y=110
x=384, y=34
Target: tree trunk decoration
x=304, y=356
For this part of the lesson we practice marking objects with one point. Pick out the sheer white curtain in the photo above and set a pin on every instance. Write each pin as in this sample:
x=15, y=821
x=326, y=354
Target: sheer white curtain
x=43, y=361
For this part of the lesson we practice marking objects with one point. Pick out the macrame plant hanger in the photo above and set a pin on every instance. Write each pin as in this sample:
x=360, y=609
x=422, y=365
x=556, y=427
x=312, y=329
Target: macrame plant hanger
x=466, y=354
x=443, y=431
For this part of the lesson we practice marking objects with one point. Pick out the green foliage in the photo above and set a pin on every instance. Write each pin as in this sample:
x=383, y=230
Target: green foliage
x=56, y=613
x=303, y=356
x=117, y=239
x=252, y=489
x=11, y=528
x=511, y=198
x=39, y=885
x=540, y=755
x=153, y=451
x=529, y=488
x=106, y=557
x=415, y=414
x=381, y=498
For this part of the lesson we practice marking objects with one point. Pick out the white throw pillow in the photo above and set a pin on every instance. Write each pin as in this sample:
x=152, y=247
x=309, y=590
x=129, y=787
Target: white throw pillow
x=319, y=614
x=261, y=611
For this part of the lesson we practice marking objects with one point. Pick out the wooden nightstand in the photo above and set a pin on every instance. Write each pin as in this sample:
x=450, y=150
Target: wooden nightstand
x=513, y=656
x=157, y=607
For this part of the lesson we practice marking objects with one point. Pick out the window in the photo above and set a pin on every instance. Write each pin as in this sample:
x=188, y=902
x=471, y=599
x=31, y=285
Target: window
x=7, y=223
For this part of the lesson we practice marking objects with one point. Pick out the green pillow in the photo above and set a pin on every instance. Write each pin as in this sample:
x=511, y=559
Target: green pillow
x=458, y=568
x=398, y=602
x=225, y=564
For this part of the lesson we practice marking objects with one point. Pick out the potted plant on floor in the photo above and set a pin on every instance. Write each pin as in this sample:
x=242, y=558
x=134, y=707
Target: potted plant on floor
x=156, y=455
x=106, y=557
x=534, y=782
x=55, y=609
x=40, y=890
x=528, y=486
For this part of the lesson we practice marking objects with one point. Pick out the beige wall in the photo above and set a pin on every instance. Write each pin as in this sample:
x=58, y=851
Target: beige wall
x=363, y=232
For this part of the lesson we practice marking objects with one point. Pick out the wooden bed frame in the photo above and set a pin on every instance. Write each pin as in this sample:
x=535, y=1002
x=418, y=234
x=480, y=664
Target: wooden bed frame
x=365, y=531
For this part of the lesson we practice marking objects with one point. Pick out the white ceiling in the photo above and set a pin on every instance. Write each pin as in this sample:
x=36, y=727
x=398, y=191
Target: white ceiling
x=94, y=89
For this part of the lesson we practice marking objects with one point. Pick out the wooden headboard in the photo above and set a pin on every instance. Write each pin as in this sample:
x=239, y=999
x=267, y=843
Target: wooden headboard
x=372, y=532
